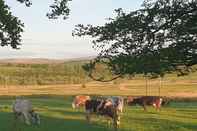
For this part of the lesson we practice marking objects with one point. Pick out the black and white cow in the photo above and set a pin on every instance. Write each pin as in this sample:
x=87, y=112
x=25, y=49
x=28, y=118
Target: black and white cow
x=111, y=108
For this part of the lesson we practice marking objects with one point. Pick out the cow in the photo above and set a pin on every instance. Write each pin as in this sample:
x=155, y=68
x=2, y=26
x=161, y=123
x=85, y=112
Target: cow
x=79, y=101
x=23, y=108
x=144, y=101
x=128, y=100
x=117, y=102
x=166, y=101
x=110, y=108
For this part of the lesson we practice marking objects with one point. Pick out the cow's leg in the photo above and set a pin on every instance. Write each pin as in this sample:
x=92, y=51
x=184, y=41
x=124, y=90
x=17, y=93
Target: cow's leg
x=159, y=104
x=15, y=116
x=88, y=115
x=73, y=105
x=115, y=123
x=108, y=122
x=158, y=107
x=144, y=106
x=155, y=105
x=116, y=120
x=26, y=117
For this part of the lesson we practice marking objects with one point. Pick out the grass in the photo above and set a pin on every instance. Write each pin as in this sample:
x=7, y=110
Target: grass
x=42, y=74
x=57, y=115
x=54, y=83
x=70, y=72
x=135, y=87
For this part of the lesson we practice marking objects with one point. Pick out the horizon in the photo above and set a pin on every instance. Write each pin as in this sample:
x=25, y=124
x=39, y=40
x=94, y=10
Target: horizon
x=52, y=39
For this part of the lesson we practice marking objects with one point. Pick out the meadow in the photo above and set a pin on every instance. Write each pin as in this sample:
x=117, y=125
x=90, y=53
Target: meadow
x=42, y=74
x=70, y=72
x=57, y=115
x=51, y=88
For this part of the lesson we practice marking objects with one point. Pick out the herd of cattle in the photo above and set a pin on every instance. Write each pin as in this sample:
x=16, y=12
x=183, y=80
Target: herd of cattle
x=110, y=107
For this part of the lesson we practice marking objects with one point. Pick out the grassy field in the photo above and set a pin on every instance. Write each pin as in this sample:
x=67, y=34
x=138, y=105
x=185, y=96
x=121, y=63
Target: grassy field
x=170, y=88
x=42, y=74
x=55, y=83
x=70, y=72
x=57, y=115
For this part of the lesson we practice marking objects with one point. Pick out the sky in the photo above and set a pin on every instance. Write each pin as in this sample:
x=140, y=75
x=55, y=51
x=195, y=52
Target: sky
x=44, y=38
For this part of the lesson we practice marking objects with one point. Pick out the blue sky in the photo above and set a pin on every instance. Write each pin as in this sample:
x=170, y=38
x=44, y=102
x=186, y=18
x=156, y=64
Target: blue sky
x=44, y=38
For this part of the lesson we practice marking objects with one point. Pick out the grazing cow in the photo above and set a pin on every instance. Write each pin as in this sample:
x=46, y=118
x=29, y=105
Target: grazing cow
x=117, y=102
x=128, y=100
x=23, y=108
x=79, y=101
x=155, y=101
x=166, y=101
x=104, y=108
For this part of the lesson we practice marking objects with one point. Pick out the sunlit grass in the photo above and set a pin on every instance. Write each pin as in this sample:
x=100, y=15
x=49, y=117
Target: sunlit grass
x=57, y=115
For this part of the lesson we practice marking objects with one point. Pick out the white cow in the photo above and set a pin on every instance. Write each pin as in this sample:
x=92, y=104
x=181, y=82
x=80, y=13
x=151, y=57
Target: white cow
x=23, y=108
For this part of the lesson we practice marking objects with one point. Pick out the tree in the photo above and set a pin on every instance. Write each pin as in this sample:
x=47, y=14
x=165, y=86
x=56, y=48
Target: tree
x=11, y=27
x=159, y=37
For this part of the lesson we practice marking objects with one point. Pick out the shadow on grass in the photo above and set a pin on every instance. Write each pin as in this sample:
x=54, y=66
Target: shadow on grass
x=64, y=118
x=162, y=124
x=48, y=124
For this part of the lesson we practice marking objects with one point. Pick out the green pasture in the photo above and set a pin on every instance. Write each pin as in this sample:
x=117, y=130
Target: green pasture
x=70, y=72
x=57, y=115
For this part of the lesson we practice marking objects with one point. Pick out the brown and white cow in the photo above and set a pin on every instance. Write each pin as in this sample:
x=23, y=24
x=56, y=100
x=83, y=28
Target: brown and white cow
x=144, y=101
x=80, y=101
x=106, y=107
x=128, y=100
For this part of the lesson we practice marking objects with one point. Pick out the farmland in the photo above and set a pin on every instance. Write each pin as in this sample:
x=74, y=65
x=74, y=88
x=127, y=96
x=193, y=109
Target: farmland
x=51, y=88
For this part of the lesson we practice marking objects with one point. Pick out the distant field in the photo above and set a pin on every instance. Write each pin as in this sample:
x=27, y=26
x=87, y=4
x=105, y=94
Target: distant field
x=170, y=88
x=42, y=74
x=57, y=115
x=69, y=78
x=60, y=73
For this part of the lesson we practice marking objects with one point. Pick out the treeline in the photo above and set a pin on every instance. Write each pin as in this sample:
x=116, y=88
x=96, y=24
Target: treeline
x=62, y=73
x=43, y=74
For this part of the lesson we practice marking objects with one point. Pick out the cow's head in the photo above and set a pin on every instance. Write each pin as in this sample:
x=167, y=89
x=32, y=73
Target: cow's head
x=134, y=102
x=119, y=104
x=35, y=118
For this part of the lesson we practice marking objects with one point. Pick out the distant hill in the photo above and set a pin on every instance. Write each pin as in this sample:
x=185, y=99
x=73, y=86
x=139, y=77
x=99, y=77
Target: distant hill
x=41, y=60
x=30, y=61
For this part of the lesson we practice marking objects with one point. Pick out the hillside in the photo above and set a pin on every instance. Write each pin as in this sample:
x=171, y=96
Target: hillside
x=42, y=60
x=53, y=72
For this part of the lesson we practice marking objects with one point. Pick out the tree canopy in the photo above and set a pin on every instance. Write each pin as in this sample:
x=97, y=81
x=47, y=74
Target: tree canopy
x=159, y=37
x=11, y=27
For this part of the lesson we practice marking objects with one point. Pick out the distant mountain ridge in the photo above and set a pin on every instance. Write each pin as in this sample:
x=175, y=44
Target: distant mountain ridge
x=41, y=60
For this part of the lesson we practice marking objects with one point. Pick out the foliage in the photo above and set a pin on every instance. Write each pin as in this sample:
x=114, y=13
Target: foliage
x=59, y=8
x=11, y=27
x=158, y=38
x=27, y=2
